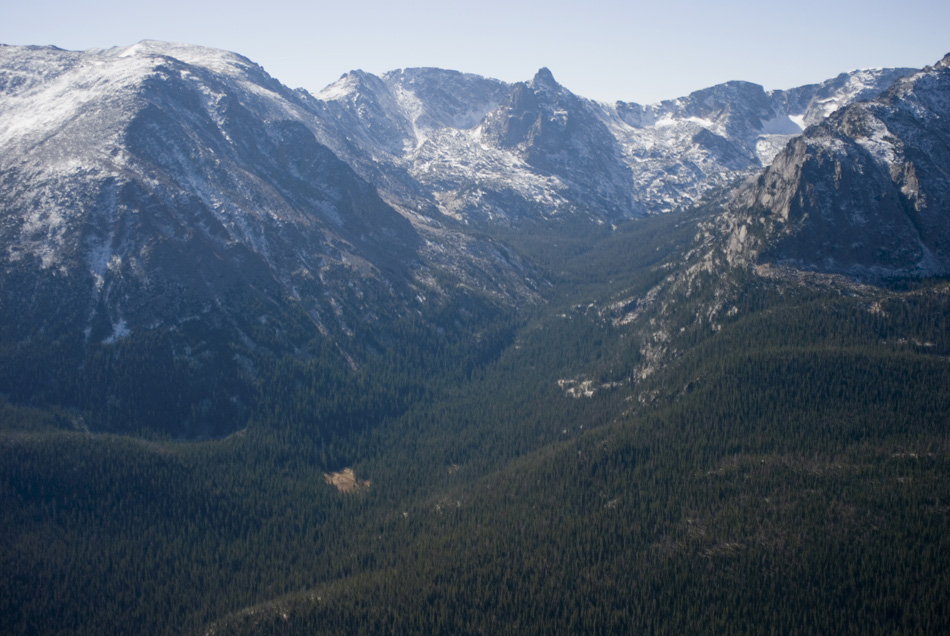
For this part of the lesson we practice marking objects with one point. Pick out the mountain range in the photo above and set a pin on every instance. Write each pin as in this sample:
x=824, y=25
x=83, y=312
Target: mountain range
x=520, y=329
x=182, y=192
x=543, y=149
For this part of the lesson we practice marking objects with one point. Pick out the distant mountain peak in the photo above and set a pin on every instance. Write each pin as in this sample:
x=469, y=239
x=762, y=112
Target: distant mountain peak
x=544, y=77
x=352, y=85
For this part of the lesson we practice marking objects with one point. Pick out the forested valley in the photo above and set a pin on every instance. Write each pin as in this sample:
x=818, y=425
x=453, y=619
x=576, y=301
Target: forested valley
x=525, y=470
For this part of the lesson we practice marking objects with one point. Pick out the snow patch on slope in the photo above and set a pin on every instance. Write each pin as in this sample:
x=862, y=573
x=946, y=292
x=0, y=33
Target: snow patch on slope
x=414, y=109
x=878, y=141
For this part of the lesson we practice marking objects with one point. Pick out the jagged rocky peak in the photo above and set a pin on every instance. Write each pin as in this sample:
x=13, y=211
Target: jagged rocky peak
x=736, y=108
x=561, y=135
x=545, y=78
x=534, y=111
x=352, y=85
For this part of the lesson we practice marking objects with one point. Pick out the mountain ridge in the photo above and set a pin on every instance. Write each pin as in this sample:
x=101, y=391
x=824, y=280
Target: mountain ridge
x=680, y=142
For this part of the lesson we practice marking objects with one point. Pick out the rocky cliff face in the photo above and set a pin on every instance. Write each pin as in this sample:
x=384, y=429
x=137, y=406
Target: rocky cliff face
x=866, y=191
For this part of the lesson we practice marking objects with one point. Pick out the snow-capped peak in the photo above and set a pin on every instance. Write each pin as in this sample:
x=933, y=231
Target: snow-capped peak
x=347, y=87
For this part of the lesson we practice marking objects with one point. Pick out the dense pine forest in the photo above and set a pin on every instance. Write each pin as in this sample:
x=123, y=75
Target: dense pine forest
x=522, y=471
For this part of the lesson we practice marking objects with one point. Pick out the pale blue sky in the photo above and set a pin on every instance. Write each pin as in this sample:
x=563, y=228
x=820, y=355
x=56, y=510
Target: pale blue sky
x=605, y=50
